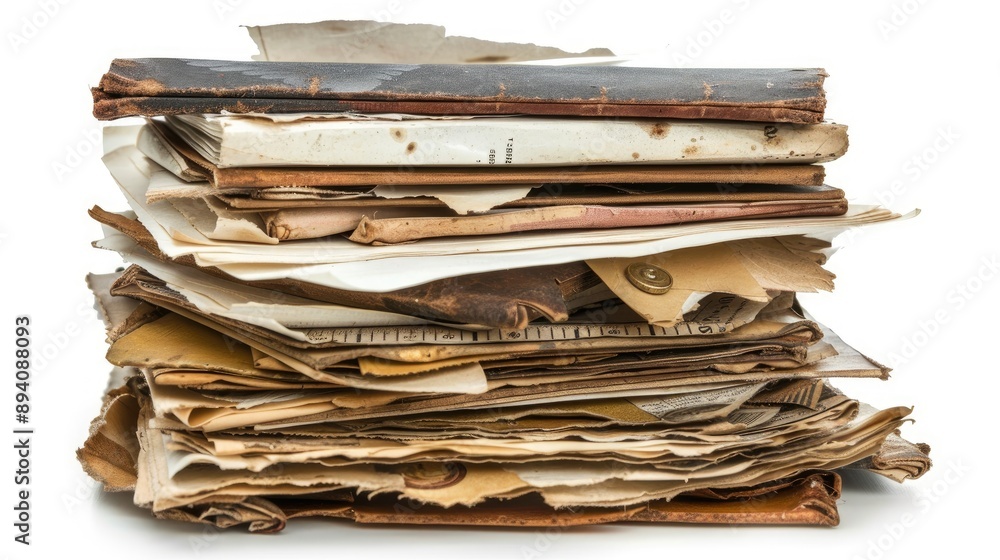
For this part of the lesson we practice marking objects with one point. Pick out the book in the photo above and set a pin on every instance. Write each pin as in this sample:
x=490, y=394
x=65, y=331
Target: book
x=396, y=140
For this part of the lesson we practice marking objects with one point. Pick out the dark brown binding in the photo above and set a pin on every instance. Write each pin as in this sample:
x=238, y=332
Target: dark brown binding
x=162, y=86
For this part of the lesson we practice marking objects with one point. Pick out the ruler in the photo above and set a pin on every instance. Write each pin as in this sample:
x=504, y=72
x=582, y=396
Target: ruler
x=392, y=336
x=718, y=314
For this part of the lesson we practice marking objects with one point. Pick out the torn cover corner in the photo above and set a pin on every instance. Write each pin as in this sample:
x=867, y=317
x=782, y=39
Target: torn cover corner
x=111, y=452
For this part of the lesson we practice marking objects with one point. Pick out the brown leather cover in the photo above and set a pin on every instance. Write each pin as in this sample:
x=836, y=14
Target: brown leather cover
x=808, y=499
x=169, y=86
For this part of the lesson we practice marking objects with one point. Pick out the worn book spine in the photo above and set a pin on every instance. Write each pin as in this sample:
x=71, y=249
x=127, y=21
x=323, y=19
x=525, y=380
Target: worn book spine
x=161, y=86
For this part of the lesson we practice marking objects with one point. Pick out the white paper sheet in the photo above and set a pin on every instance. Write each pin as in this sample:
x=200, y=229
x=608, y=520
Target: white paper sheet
x=464, y=199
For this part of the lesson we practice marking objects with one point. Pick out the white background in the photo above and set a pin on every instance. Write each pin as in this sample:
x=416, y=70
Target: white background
x=903, y=75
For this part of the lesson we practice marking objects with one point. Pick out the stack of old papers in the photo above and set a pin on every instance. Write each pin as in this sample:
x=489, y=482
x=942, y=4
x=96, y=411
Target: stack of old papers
x=477, y=294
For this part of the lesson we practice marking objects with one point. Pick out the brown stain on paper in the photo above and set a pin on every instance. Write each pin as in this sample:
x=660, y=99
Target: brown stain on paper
x=656, y=130
x=488, y=58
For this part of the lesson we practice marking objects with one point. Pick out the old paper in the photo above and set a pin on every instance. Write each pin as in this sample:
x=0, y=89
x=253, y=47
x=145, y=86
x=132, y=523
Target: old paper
x=509, y=338
x=375, y=41
x=752, y=269
x=317, y=140
x=176, y=237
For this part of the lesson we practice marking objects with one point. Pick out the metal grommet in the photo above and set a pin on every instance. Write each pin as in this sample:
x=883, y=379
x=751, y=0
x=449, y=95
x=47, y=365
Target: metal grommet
x=648, y=278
